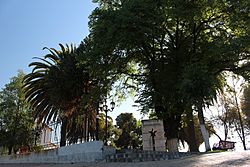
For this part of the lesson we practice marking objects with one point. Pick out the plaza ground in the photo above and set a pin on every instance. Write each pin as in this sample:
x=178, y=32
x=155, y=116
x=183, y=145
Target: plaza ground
x=223, y=159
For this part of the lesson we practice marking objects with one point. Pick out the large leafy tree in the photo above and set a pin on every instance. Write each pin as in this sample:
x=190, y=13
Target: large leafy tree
x=180, y=46
x=16, y=123
x=139, y=38
x=216, y=47
x=56, y=88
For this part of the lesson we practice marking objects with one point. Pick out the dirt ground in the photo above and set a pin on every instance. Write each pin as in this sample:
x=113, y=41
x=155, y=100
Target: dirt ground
x=224, y=159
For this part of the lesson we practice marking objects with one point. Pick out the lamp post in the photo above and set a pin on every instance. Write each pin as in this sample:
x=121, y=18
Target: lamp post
x=36, y=134
x=97, y=123
x=104, y=107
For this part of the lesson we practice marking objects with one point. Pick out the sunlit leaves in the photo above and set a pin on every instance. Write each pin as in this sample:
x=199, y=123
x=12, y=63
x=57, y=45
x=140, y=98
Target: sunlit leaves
x=16, y=122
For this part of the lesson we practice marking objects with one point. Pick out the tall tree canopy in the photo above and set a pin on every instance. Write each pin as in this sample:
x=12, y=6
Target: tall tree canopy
x=180, y=48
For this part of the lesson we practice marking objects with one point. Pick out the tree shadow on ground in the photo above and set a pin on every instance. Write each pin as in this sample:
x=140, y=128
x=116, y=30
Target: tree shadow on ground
x=235, y=162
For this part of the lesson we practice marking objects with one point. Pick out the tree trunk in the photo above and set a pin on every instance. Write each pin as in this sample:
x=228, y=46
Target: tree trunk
x=63, y=131
x=88, y=127
x=97, y=123
x=85, y=128
x=243, y=139
x=15, y=150
x=191, y=133
x=225, y=131
x=205, y=136
x=10, y=150
x=204, y=131
x=172, y=145
x=171, y=126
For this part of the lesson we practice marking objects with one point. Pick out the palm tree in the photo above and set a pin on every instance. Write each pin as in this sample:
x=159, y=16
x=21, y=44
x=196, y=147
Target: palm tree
x=55, y=87
x=82, y=124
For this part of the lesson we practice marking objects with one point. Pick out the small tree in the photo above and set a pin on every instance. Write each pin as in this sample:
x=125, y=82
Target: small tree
x=224, y=116
x=15, y=118
x=130, y=131
x=245, y=104
x=112, y=130
x=235, y=92
x=231, y=113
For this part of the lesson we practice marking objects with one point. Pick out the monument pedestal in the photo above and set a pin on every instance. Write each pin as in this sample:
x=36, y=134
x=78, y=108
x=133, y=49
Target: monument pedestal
x=148, y=127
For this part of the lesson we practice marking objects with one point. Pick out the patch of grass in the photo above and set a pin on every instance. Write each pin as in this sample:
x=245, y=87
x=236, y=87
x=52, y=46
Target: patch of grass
x=216, y=151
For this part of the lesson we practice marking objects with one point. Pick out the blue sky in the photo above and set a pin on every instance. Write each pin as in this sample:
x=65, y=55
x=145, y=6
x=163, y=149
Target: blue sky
x=26, y=26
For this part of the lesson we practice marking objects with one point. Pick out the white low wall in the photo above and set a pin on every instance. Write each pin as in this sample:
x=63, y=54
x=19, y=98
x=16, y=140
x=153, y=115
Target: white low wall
x=84, y=152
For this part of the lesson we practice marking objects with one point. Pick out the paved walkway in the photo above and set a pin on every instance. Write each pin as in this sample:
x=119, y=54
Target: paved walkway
x=224, y=159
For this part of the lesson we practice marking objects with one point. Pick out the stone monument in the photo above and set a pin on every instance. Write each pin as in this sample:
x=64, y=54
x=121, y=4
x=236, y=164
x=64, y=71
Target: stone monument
x=153, y=135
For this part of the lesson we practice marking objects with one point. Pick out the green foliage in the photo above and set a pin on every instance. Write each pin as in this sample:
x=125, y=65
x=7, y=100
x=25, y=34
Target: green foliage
x=102, y=68
x=130, y=136
x=227, y=113
x=58, y=88
x=216, y=151
x=55, y=84
x=37, y=148
x=233, y=117
x=200, y=84
x=171, y=52
x=185, y=135
x=113, y=132
x=126, y=119
x=16, y=123
x=180, y=46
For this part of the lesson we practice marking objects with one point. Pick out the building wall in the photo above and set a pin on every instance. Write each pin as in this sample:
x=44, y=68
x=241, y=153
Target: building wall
x=156, y=125
x=45, y=137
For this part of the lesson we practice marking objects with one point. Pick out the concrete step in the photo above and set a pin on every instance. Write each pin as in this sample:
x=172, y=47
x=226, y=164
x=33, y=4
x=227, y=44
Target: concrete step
x=141, y=156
